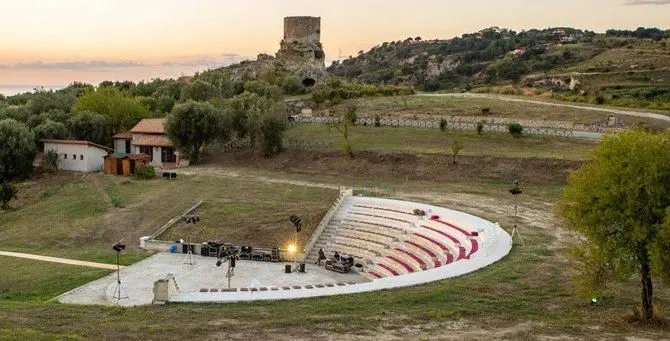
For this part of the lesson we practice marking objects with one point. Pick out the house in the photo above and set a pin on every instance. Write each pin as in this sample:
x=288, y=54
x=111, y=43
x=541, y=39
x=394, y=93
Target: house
x=148, y=137
x=76, y=155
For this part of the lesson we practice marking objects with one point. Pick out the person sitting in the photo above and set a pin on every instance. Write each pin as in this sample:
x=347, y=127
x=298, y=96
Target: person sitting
x=322, y=256
x=351, y=260
x=336, y=256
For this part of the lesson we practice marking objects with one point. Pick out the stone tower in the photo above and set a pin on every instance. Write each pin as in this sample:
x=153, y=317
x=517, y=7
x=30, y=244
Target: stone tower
x=301, y=51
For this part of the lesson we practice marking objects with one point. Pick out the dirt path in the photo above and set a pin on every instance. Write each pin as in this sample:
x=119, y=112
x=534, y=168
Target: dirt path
x=59, y=260
x=650, y=115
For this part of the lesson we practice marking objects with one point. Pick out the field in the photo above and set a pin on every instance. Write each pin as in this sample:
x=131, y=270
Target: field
x=528, y=295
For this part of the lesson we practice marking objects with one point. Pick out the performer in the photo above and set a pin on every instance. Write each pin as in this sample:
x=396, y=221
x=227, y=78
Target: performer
x=336, y=256
x=322, y=255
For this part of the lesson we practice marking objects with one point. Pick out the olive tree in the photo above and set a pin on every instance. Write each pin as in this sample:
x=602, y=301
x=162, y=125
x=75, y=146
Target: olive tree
x=620, y=202
x=193, y=124
x=17, y=150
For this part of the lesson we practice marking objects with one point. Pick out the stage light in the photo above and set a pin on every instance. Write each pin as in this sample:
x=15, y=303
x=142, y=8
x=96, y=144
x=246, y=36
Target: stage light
x=219, y=262
x=291, y=248
x=594, y=300
x=118, y=247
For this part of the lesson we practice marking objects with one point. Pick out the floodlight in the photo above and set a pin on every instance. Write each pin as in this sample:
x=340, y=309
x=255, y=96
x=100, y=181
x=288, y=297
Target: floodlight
x=291, y=248
x=118, y=247
x=594, y=300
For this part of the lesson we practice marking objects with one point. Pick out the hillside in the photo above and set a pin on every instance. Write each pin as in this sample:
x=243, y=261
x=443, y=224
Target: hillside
x=625, y=68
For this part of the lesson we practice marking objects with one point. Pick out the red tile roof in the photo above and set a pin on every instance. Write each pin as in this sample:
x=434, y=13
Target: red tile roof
x=150, y=126
x=153, y=141
x=123, y=136
x=88, y=143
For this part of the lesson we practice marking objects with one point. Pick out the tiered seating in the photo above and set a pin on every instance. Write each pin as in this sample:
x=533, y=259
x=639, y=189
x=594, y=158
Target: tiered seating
x=390, y=240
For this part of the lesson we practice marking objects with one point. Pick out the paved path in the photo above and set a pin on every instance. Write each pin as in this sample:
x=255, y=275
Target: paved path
x=651, y=115
x=59, y=260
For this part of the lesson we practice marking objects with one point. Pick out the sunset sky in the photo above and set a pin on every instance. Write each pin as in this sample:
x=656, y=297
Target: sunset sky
x=56, y=42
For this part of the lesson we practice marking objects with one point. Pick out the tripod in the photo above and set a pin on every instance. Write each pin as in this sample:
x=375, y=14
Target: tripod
x=119, y=292
x=516, y=191
x=189, y=256
x=230, y=273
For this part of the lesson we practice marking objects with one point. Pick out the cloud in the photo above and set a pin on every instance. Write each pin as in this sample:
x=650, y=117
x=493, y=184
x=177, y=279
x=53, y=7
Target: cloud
x=77, y=65
x=647, y=2
x=3, y=67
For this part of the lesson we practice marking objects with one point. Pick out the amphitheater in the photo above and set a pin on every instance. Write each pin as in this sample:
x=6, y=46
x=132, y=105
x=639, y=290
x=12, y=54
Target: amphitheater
x=394, y=246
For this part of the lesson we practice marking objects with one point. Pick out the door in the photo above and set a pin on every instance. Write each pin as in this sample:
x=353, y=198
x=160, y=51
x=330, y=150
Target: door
x=127, y=146
x=167, y=155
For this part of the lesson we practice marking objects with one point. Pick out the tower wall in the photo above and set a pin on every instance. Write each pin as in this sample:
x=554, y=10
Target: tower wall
x=302, y=29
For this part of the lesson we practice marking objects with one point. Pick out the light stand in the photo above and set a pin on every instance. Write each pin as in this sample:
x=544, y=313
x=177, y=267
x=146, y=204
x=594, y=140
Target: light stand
x=189, y=260
x=119, y=293
x=230, y=258
x=293, y=248
x=515, y=192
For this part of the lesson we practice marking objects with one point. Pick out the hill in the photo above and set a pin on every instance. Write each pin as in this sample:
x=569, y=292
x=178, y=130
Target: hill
x=623, y=68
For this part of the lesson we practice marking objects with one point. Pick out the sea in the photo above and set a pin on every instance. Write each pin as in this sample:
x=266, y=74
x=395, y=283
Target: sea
x=10, y=90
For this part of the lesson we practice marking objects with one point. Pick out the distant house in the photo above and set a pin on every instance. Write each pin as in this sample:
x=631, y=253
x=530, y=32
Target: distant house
x=148, y=137
x=75, y=155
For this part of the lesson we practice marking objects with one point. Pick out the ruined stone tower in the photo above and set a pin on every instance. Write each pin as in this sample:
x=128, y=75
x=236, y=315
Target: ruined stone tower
x=301, y=51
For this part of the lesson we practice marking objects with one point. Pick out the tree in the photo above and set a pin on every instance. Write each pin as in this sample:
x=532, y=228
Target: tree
x=90, y=126
x=49, y=130
x=193, y=124
x=344, y=127
x=261, y=119
x=620, y=202
x=123, y=111
x=199, y=91
x=17, y=150
x=7, y=193
x=456, y=147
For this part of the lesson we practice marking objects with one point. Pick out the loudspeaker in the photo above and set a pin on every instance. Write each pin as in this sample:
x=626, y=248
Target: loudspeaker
x=287, y=268
x=301, y=267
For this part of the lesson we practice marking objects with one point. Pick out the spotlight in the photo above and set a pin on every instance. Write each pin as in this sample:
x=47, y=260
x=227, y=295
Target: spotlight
x=297, y=222
x=118, y=247
x=594, y=300
x=291, y=248
x=219, y=262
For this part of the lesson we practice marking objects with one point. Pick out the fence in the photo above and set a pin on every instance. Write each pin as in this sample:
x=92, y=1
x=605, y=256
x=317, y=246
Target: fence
x=435, y=124
x=304, y=144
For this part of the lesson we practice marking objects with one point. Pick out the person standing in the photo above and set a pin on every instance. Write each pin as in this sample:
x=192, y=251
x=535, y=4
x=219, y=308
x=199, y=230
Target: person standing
x=322, y=255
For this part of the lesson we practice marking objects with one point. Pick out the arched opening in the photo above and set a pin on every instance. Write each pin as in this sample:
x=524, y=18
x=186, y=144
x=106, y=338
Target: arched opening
x=308, y=82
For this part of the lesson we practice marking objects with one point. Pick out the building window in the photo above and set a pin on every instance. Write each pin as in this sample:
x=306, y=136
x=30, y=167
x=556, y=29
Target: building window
x=64, y=156
x=74, y=156
x=147, y=150
x=81, y=157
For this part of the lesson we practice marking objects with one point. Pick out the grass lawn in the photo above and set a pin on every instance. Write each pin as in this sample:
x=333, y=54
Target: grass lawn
x=419, y=140
x=524, y=296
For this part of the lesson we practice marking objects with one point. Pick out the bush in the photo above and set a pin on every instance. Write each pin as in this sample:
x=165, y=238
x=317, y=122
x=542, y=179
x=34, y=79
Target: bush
x=378, y=122
x=515, y=129
x=600, y=99
x=7, y=193
x=350, y=114
x=443, y=124
x=145, y=172
x=50, y=161
x=480, y=128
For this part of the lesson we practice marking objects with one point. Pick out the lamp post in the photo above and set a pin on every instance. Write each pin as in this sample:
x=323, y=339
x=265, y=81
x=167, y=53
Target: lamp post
x=516, y=191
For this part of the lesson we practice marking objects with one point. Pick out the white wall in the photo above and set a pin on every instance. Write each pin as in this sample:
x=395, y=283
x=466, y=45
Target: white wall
x=93, y=156
x=119, y=146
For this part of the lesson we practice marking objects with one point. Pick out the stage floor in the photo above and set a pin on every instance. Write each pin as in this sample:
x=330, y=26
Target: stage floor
x=138, y=279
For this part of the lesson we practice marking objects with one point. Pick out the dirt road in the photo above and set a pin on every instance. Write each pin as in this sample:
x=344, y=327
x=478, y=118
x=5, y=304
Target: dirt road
x=650, y=115
x=59, y=260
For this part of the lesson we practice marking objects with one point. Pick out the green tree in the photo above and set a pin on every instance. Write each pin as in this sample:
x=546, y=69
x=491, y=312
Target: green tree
x=17, y=150
x=199, y=91
x=515, y=129
x=620, y=202
x=261, y=119
x=90, y=126
x=194, y=124
x=7, y=193
x=43, y=101
x=122, y=110
x=49, y=130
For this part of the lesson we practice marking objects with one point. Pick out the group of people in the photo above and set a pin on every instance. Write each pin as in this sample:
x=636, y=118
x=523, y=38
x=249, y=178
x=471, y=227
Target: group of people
x=344, y=260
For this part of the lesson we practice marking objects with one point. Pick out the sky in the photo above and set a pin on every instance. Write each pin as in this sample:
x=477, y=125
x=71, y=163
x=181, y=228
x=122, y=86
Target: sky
x=49, y=42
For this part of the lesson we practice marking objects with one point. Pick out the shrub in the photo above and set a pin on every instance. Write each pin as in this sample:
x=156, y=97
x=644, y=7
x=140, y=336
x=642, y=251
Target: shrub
x=378, y=122
x=50, y=161
x=443, y=124
x=145, y=172
x=600, y=99
x=515, y=129
x=350, y=114
x=7, y=193
x=480, y=128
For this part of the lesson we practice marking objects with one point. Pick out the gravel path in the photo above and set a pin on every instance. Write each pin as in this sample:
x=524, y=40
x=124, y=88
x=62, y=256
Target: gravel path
x=59, y=260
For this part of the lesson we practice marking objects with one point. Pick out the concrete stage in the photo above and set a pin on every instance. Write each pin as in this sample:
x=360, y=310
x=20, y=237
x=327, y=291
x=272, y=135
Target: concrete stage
x=138, y=279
